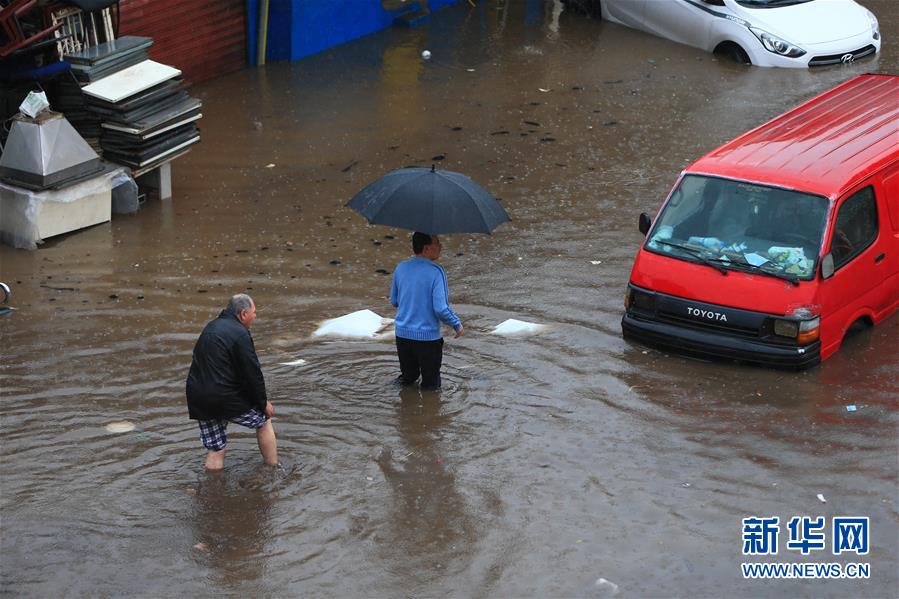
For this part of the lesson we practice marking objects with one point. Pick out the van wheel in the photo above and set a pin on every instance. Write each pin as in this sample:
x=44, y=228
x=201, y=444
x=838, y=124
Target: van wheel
x=862, y=324
x=733, y=51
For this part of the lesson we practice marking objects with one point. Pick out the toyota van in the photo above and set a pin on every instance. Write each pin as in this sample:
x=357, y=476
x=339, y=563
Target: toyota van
x=769, y=248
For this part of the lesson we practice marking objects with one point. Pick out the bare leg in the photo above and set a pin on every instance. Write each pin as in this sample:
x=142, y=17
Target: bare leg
x=268, y=446
x=215, y=460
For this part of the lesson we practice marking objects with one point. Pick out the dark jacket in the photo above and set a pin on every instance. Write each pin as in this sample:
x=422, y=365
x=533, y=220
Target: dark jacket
x=225, y=379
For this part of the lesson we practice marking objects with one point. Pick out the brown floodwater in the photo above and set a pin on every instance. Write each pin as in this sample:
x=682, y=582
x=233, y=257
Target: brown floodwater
x=547, y=462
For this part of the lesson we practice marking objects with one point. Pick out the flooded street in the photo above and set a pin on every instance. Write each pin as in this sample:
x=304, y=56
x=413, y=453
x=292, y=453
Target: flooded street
x=547, y=462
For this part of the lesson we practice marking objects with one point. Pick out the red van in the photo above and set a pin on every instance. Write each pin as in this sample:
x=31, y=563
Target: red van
x=769, y=248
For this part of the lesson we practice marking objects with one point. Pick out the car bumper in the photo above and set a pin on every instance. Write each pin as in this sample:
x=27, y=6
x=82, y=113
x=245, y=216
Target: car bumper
x=711, y=345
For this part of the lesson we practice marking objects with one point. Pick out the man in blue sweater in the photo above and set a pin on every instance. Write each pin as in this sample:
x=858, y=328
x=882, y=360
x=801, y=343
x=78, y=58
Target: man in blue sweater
x=421, y=296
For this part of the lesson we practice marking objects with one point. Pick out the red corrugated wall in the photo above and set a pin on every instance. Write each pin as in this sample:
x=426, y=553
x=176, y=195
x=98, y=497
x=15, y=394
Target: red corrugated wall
x=203, y=38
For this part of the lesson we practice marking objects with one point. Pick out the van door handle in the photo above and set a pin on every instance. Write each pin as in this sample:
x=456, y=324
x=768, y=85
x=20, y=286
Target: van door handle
x=879, y=258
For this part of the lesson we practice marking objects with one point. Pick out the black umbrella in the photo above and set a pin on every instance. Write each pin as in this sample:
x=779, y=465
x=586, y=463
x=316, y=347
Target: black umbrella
x=430, y=201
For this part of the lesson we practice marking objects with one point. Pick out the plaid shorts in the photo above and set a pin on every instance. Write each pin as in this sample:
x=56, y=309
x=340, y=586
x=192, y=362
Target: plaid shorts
x=214, y=433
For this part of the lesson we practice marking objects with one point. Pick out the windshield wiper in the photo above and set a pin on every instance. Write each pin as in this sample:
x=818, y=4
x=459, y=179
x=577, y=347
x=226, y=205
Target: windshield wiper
x=771, y=273
x=696, y=254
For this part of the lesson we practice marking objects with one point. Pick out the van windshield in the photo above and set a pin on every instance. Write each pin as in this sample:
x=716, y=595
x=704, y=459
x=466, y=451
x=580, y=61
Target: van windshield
x=741, y=226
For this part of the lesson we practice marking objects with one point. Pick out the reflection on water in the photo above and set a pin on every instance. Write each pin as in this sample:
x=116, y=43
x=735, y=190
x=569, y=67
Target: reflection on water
x=232, y=523
x=428, y=525
x=546, y=463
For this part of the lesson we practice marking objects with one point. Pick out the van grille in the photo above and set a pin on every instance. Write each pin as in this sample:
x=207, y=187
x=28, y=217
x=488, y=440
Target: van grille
x=707, y=326
x=820, y=61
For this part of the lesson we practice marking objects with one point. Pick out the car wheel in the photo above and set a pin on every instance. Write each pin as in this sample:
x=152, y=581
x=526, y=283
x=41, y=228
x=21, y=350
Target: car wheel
x=590, y=8
x=733, y=51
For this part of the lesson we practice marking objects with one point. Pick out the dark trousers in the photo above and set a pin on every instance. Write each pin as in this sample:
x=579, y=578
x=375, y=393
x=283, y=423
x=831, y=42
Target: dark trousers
x=420, y=358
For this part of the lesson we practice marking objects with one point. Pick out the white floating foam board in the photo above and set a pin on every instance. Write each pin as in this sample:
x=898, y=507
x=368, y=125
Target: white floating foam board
x=361, y=324
x=517, y=327
x=130, y=81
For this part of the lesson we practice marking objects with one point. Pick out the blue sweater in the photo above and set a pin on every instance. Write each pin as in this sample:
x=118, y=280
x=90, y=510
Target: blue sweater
x=421, y=296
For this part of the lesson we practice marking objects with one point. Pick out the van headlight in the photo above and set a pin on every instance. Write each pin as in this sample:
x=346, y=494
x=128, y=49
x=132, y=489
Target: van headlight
x=776, y=45
x=803, y=331
x=635, y=298
x=875, y=26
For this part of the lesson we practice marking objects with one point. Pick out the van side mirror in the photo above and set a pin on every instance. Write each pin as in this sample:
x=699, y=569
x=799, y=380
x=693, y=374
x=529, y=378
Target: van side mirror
x=644, y=223
x=826, y=266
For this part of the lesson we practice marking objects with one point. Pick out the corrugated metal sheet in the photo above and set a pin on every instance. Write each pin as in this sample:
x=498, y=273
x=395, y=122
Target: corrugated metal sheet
x=203, y=38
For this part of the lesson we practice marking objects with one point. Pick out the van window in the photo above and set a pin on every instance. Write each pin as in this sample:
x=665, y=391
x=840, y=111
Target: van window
x=741, y=226
x=855, y=228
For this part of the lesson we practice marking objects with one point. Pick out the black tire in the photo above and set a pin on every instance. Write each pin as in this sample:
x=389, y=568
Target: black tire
x=734, y=52
x=590, y=8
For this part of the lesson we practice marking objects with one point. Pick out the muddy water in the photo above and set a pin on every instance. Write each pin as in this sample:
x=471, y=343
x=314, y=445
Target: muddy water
x=546, y=463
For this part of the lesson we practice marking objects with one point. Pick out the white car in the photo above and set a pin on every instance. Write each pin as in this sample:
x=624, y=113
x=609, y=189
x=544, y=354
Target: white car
x=767, y=33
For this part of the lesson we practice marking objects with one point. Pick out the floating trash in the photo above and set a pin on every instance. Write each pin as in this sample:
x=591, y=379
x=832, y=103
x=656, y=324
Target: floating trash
x=851, y=408
x=363, y=323
x=299, y=362
x=426, y=54
x=607, y=585
x=517, y=327
x=120, y=427
x=821, y=498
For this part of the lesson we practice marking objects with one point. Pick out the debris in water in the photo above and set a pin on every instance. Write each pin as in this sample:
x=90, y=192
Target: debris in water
x=602, y=583
x=382, y=271
x=201, y=547
x=120, y=427
x=532, y=123
x=595, y=262
x=298, y=362
x=362, y=323
x=439, y=157
x=500, y=132
x=851, y=408
x=426, y=54
x=270, y=165
x=470, y=70
x=517, y=327
x=821, y=498
x=540, y=89
x=334, y=262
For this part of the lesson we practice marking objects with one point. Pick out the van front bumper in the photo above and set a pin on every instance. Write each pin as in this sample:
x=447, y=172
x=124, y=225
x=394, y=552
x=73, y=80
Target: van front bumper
x=713, y=345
